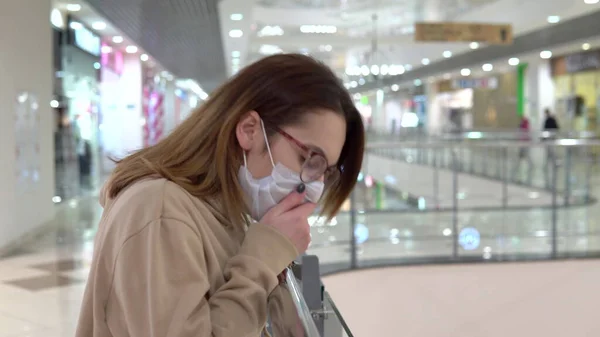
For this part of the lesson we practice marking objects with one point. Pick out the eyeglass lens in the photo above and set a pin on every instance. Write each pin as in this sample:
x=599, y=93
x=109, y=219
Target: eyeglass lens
x=314, y=168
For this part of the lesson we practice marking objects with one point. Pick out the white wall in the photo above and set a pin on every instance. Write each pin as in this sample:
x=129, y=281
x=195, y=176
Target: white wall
x=25, y=65
x=539, y=92
x=121, y=128
x=378, y=114
x=131, y=80
x=435, y=118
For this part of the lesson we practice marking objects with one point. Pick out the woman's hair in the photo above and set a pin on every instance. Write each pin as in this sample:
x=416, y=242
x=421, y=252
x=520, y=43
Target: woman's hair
x=203, y=156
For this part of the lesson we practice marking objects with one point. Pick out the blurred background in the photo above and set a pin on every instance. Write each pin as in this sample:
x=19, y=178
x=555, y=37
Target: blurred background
x=476, y=210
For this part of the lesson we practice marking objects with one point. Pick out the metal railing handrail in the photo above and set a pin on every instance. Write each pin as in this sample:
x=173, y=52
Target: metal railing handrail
x=481, y=134
x=408, y=144
x=301, y=306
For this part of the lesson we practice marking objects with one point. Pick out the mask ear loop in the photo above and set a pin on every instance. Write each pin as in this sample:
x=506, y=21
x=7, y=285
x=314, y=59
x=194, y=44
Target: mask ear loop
x=262, y=124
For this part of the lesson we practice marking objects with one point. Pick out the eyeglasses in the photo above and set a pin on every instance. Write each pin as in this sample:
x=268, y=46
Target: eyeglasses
x=315, y=165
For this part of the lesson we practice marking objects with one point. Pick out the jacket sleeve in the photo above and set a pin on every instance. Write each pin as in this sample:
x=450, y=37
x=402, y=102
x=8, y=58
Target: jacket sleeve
x=282, y=312
x=161, y=287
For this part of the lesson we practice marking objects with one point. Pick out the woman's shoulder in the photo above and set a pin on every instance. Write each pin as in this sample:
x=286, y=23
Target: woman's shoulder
x=155, y=198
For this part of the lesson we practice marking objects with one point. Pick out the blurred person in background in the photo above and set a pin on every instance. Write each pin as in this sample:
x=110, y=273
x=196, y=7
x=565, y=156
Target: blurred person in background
x=198, y=229
x=550, y=123
x=550, y=126
x=524, y=153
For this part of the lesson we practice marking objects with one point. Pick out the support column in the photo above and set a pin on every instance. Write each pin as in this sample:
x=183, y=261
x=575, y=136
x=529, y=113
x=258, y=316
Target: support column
x=26, y=120
x=521, y=69
x=539, y=92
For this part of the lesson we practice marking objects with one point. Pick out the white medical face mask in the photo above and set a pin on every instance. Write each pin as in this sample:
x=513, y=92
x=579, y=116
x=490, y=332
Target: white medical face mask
x=262, y=194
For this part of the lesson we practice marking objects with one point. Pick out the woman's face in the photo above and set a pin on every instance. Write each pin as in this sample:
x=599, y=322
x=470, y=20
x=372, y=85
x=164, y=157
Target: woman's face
x=323, y=131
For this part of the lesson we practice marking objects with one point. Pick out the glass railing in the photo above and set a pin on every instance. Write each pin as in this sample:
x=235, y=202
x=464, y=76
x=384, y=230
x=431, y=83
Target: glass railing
x=481, y=134
x=435, y=202
x=448, y=202
x=313, y=313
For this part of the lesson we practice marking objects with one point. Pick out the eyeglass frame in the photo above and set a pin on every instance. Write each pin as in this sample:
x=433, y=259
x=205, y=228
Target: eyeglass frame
x=329, y=170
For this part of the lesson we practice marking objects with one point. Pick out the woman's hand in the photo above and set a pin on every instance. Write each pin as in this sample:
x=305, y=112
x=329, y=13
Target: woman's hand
x=290, y=218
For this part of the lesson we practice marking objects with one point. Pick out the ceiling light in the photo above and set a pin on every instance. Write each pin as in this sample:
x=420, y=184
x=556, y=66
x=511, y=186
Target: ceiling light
x=235, y=53
x=513, y=61
x=546, y=54
x=318, y=29
x=553, y=19
x=270, y=31
x=418, y=82
x=474, y=45
x=144, y=57
x=117, y=39
x=97, y=65
x=364, y=70
x=353, y=84
x=236, y=17
x=361, y=81
x=397, y=69
x=131, y=49
x=235, y=62
x=591, y=2
x=353, y=71
x=267, y=49
x=487, y=67
x=385, y=69
x=54, y=104
x=56, y=19
x=395, y=87
x=585, y=46
x=465, y=71
x=106, y=49
x=326, y=48
x=235, y=33
x=73, y=7
x=407, y=67
x=447, y=54
x=75, y=25
x=99, y=25
x=425, y=61
x=408, y=29
x=375, y=70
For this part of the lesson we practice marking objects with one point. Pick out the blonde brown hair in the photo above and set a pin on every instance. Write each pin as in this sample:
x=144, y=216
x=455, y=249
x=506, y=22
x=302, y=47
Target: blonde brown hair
x=202, y=154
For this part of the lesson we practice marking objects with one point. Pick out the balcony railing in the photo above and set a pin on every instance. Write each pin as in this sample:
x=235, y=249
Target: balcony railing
x=441, y=201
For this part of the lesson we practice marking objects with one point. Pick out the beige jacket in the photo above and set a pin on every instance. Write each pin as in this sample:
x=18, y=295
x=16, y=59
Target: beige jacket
x=165, y=265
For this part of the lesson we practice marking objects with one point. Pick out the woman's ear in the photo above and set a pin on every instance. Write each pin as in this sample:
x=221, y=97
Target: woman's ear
x=248, y=130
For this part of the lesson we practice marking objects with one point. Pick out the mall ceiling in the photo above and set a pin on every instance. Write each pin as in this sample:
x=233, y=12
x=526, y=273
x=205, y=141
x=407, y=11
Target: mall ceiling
x=183, y=35
x=353, y=27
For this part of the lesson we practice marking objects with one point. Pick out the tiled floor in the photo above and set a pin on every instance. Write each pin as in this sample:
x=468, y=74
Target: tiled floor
x=40, y=301
x=549, y=299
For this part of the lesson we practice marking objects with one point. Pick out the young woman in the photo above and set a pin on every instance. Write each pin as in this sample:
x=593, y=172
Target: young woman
x=197, y=228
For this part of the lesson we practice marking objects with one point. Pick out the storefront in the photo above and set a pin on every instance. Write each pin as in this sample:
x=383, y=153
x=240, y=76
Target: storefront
x=451, y=109
x=66, y=164
x=405, y=110
x=154, y=89
x=393, y=112
x=81, y=65
x=475, y=103
x=576, y=82
x=113, y=125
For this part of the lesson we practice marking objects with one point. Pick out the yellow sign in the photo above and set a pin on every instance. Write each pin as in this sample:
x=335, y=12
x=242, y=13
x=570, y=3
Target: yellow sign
x=463, y=32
